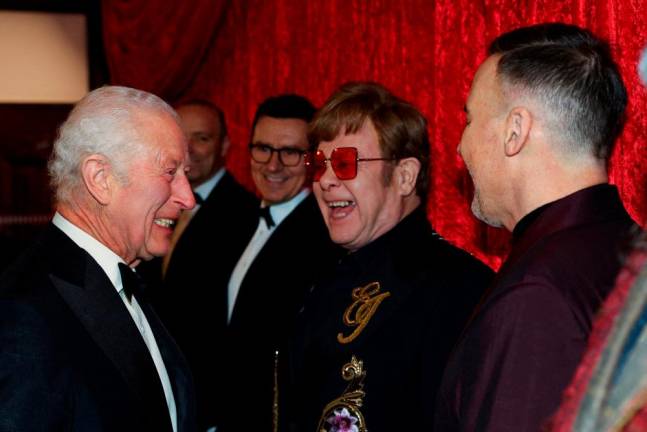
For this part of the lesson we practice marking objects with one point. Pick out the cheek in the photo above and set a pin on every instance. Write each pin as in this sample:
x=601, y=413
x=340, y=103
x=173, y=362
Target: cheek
x=298, y=174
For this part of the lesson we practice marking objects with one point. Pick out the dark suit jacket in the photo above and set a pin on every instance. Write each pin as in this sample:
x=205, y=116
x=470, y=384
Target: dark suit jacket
x=192, y=300
x=520, y=351
x=71, y=357
x=431, y=288
x=268, y=301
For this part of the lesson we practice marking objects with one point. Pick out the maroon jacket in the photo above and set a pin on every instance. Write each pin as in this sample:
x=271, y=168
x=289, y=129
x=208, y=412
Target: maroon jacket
x=519, y=352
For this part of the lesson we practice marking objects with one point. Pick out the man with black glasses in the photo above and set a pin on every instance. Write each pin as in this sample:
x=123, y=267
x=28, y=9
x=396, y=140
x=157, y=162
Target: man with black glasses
x=375, y=333
x=268, y=284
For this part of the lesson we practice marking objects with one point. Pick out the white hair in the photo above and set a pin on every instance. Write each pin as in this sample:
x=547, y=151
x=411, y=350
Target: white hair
x=104, y=122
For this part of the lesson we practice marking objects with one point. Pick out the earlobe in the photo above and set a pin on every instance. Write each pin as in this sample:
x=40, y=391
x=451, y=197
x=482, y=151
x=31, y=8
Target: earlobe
x=96, y=175
x=408, y=170
x=517, y=129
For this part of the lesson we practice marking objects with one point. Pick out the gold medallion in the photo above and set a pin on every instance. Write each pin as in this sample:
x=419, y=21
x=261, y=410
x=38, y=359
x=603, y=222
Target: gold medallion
x=343, y=413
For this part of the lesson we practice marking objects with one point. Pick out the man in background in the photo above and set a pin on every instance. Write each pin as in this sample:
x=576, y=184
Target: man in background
x=373, y=338
x=543, y=114
x=206, y=244
x=246, y=322
x=80, y=346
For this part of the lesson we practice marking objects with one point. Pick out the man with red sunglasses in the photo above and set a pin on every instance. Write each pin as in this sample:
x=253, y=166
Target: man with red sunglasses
x=375, y=333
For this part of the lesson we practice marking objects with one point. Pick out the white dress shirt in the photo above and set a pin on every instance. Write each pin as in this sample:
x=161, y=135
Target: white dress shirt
x=109, y=262
x=278, y=212
x=205, y=188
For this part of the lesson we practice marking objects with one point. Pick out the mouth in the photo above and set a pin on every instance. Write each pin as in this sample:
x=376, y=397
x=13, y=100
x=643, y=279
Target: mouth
x=341, y=208
x=165, y=223
x=275, y=178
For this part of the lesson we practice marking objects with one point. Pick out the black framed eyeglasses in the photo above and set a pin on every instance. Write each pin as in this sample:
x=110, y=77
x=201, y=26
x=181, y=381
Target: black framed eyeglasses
x=343, y=161
x=288, y=156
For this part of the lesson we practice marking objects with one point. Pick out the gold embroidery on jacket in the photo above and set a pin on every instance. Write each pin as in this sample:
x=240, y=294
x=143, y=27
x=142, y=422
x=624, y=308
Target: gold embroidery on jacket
x=345, y=410
x=366, y=301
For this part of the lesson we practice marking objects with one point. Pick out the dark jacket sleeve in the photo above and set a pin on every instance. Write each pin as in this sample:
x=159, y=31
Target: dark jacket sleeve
x=32, y=381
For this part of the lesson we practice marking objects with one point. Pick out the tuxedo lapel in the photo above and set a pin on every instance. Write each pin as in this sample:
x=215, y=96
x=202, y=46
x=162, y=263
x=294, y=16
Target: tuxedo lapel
x=176, y=367
x=94, y=301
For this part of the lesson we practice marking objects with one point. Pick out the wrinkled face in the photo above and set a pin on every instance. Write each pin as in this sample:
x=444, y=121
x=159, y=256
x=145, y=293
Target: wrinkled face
x=275, y=182
x=206, y=148
x=359, y=210
x=481, y=145
x=142, y=213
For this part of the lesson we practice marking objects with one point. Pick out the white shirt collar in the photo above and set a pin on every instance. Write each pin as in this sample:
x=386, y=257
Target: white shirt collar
x=282, y=210
x=205, y=188
x=105, y=257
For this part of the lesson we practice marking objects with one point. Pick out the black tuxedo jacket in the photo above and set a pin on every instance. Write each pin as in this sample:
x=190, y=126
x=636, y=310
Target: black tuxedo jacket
x=270, y=296
x=71, y=357
x=192, y=299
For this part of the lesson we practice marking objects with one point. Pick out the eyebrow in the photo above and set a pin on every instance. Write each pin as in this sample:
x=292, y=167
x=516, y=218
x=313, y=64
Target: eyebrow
x=289, y=146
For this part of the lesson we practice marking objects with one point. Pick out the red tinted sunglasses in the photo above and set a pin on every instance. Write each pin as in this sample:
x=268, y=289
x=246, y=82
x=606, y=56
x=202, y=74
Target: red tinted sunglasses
x=343, y=161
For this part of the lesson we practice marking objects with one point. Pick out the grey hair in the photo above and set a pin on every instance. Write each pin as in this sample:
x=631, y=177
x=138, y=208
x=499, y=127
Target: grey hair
x=572, y=74
x=106, y=121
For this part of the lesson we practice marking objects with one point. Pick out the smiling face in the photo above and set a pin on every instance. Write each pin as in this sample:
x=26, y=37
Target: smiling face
x=359, y=210
x=207, y=146
x=142, y=212
x=481, y=145
x=276, y=182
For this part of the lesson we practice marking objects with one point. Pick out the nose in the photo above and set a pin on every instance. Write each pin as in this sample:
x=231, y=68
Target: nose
x=328, y=178
x=274, y=164
x=182, y=192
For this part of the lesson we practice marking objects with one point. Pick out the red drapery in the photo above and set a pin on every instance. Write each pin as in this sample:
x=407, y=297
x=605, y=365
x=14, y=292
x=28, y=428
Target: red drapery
x=237, y=53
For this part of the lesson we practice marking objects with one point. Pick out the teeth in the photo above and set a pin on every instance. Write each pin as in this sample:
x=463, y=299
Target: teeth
x=166, y=223
x=335, y=204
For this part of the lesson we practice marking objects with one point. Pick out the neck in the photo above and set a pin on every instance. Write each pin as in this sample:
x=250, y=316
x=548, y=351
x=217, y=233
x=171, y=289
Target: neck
x=93, y=222
x=550, y=186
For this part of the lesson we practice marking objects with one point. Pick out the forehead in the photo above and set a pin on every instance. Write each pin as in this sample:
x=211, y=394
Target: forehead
x=198, y=116
x=162, y=135
x=365, y=140
x=281, y=132
x=486, y=88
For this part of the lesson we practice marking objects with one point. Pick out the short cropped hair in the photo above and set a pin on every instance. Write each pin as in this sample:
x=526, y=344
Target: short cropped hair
x=106, y=121
x=285, y=106
x=401, y=128
x=570, y=72
x=213, y=107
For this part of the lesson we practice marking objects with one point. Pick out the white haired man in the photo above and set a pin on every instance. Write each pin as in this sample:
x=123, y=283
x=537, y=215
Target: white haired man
x=80, y=347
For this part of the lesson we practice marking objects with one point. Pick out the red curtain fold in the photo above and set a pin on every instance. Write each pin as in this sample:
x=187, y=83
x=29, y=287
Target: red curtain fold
x=159, y=46
x=424, y=51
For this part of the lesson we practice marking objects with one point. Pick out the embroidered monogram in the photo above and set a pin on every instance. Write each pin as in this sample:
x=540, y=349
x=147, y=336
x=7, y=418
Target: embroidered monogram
x=343, y=414
x=365, y=304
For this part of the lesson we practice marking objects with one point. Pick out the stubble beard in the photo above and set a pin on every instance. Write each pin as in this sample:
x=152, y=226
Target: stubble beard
x=477, y=210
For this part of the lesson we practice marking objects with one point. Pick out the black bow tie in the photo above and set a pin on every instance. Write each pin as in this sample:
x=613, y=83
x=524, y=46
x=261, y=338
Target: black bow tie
x=264, y=212
x=131, y=281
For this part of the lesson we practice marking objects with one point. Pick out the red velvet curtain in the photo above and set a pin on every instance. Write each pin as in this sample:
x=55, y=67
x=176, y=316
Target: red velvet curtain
x=237, y=53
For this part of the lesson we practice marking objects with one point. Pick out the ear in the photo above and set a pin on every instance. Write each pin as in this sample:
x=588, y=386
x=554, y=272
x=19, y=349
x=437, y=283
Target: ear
x=97, y=177
x=224, y=148
x=517, y=129
x=406, y=174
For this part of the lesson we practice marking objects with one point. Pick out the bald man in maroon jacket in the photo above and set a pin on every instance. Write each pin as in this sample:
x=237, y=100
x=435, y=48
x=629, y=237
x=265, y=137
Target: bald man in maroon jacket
x=542, y=116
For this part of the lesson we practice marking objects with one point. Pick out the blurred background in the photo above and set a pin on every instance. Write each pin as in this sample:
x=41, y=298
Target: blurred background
x=237, y=53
